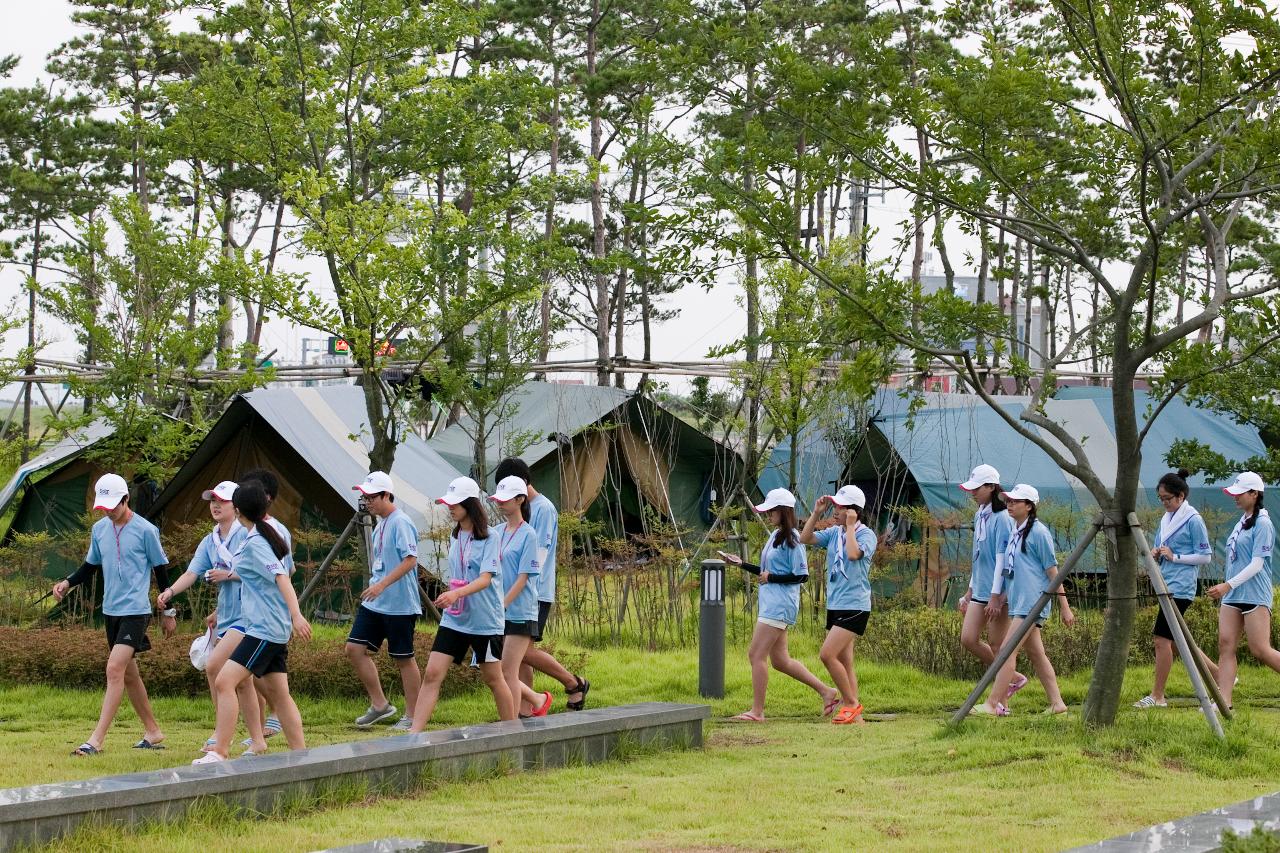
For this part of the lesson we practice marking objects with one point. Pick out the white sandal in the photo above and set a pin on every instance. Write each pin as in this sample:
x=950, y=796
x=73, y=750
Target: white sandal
x=1149, y=702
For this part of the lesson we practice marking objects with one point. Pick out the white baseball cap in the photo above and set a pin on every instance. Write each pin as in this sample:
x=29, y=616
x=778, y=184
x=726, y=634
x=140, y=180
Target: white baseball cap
x=981, y=476
x=110, y=490
x=1022, y=492
x=459, y=490
x=223, y=491
x=377, y=481
x=509, y=487
x=850, y=496
x=777, y=498
x=1245, y=482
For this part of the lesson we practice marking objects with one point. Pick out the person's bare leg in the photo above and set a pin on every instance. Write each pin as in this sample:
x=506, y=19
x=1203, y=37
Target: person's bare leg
x=1257, y=628
x=1230, y=626
x=276, y=686
x=762, y=642
x=1000, y=686
x=411, y=681
x=832, y=656
x=229, y=678
x=367, y=672
x=137, y=691
x=118, y=661
x=492, y=675
x=545, y=663
x=997, y=630
x=971, y=633
x=429, y=690
x=1044, y=670
x=847, y=659
x=513, y=648
x=783, y=662
x=1164, y=663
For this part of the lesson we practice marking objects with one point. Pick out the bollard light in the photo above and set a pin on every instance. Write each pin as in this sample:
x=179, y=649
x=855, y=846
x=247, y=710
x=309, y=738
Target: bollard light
x=711, y=631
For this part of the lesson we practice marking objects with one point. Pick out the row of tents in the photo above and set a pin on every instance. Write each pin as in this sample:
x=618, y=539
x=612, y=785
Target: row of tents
x=621, y=459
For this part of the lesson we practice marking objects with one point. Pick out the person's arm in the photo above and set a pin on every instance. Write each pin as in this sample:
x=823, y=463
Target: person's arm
x=301, y=626
x=181, y=585
x=810, y=523
x=405, y=566
x=516, y=588
x=852, y=547
x=450, y=597
x=789, y=580
x=86, y=571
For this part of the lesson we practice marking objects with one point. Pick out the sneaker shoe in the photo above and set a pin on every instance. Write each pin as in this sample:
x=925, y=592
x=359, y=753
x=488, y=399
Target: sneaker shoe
x=373, y=715
x=210, y=758
x=403, y=724
x=1149, y=702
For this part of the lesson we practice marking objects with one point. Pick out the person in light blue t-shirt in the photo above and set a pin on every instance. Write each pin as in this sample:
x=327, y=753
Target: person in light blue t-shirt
x=1029, y=567
x=389, y=607
x=783, y=567
x=1181, y=547
x=471, y=613
x=545, y=519
x=849, y=546
x=1247, y=592
x=125, y=549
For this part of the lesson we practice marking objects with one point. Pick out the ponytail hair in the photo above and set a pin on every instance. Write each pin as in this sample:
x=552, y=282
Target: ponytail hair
x=477, y=516
x=1175, y=483
x=250, y=500
x=786, y=534
x=1026, y=531
x=524, y=507
x=1257, y=510
x=997, y=502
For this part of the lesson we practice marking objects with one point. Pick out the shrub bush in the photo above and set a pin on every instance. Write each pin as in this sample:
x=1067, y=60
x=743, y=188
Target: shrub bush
x=76, y=657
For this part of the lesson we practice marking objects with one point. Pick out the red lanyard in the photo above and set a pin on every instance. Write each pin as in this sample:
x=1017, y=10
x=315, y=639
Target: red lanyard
x=464, y=552
x=502, y=545
x=119, y=555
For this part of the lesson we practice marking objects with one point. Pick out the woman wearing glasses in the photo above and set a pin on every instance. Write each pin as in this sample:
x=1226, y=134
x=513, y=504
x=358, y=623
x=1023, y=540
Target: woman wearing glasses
x=1181, y=547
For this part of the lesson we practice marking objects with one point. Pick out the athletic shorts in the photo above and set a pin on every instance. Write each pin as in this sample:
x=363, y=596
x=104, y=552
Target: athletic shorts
x=850, y=620
x=372, y=628
x=1246, y=609
x=773, y=623
x=456, y=644
x=978, y=601
x=224, y=631
x=520, y=629
x=544, y=611
x=128, y=631
x=1162, y=627
x=261, y=657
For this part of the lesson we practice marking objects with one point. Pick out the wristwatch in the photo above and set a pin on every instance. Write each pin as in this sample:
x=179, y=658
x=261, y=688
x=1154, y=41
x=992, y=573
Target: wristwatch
x=172, y=611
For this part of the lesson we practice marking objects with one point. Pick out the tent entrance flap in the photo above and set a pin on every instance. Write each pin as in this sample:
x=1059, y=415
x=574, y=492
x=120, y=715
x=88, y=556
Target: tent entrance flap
x=582, y=470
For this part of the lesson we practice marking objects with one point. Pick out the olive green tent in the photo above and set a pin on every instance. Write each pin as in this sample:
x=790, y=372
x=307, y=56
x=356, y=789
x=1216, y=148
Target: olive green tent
x=614, y=455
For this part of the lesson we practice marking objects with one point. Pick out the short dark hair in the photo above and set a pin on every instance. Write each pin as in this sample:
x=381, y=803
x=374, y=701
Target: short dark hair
x=513, y=466
x=267, y=479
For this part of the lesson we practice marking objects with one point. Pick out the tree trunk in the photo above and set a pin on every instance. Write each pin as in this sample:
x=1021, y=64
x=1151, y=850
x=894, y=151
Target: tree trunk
x=30, y=368
x=980, y=298
x=597, y=207
x=549, y=217
x=751, y=286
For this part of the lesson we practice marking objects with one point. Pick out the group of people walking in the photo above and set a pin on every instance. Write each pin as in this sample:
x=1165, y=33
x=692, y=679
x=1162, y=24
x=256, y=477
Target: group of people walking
x=501, y=588
x=1013, y=565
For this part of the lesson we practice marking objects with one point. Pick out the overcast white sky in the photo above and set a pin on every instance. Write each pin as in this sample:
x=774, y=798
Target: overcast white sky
x=34, y=28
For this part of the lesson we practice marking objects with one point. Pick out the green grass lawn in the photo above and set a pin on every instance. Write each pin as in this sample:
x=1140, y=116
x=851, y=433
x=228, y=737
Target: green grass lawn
x=794, y=783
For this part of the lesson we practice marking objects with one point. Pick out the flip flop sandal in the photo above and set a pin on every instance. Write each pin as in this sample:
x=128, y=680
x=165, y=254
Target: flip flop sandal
x=544, y=708
x=1015, y=686
x=272, y=726
x=146, y=744
x=85, y=750
x=829, y=707
x=213, y=741
x=583, y=686
x=983, y=711
x=848, y=714
x=746, y=717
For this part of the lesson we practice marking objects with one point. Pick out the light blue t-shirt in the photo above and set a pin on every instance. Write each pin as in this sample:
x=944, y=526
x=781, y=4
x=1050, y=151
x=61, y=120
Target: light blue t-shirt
x=516, y=553
x=265, y=614
x=1026, y=571
x=214, y=552
x=781, y=601
x=287, y=559
x=127, y=555
x=394, y=540
x=1242, y=547
x=481, y=611
x=545, y=519
x=998, y=528
x=1190, y=538
x=848, y=581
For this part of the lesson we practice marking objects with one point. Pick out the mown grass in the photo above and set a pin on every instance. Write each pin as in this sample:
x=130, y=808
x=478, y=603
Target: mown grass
x=796, y=782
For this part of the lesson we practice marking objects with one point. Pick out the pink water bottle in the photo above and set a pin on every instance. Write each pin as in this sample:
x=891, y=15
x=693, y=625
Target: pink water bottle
x=461, y=603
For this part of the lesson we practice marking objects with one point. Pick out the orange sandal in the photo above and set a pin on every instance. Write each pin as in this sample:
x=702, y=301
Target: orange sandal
x=848, y=714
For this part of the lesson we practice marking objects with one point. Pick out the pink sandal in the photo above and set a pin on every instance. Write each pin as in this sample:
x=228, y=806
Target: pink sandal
x=746, y=717
x=1015, y=685
x=829, y=707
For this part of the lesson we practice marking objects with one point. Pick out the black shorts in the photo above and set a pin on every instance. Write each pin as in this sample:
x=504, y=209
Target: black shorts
x=978, y=601
x=520, y=629
x=372, y=628
x=544, y=610
x=850, y=620
x=261, y=657
x=457, y=644
x=128, y=631
x=1162, y=627
x=1246, y=609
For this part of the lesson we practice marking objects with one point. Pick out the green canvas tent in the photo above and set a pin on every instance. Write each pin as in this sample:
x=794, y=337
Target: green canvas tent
x=609, y=453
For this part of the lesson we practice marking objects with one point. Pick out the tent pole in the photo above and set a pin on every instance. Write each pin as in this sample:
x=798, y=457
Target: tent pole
x=329, y=558
x=1012, y=642
x=1187, y=649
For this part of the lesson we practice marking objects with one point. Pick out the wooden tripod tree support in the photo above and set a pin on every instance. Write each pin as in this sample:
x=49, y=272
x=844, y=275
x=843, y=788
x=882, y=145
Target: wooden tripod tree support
x=1192, y=657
